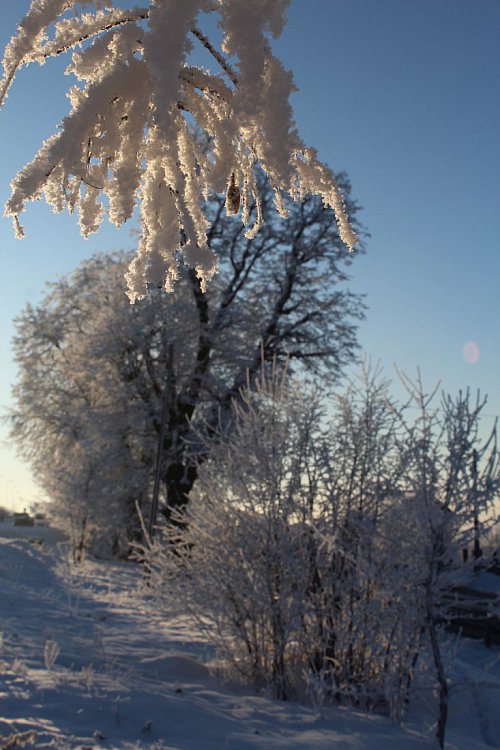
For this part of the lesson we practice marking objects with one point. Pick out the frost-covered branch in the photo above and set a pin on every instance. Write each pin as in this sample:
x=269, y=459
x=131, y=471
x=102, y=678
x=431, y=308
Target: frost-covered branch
x=128, y=139
x=68, y=35
x=216, y=54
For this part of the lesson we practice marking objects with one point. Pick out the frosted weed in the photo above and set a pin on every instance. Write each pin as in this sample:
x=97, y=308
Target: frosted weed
x=88, y=675
x=51, y=651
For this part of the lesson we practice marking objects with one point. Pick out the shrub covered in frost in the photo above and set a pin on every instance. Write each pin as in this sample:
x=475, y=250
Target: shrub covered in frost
x=316, y=555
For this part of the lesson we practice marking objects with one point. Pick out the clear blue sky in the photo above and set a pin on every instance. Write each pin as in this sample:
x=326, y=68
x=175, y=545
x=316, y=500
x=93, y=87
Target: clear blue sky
x=403, y=95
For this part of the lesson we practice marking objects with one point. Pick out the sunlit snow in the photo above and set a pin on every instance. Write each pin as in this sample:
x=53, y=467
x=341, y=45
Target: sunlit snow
x=126, y=677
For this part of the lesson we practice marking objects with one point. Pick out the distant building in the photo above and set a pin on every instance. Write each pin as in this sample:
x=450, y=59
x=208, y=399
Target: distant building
x=23, y=519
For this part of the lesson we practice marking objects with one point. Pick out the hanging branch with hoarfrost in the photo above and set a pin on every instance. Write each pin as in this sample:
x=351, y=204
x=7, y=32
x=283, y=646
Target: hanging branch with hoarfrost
x=129, y=136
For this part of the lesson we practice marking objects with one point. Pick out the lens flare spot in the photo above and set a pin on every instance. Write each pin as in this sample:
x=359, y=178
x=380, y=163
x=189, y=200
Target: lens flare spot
x=471, y=352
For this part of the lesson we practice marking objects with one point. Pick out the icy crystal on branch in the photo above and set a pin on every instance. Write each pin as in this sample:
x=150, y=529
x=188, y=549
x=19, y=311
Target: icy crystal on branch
x=129, y=137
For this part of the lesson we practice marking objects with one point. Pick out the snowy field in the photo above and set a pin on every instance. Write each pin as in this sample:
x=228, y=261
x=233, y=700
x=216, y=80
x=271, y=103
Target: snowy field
x=85, y=663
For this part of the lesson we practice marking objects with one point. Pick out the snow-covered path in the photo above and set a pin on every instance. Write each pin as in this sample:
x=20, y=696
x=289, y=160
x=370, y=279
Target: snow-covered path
x=126, y=677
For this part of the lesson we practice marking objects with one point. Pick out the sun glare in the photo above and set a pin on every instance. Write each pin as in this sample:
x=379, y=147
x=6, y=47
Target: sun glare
x=471, y=352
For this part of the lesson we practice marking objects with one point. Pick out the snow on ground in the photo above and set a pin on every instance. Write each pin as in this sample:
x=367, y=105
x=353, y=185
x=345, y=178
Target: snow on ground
x=86, y=662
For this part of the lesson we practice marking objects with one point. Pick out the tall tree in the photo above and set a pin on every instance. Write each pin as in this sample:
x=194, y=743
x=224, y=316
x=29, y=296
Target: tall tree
x=112, y=378
x=128, y=137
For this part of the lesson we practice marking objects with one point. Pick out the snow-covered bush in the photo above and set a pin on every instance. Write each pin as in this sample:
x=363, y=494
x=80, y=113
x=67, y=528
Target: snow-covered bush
x=129, y=138
x=241, y=559
x=282, y=545
x=317, y=556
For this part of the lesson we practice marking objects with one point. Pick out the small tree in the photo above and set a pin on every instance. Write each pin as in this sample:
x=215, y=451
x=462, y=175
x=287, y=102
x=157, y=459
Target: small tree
x=452, y=476
x=129, y=138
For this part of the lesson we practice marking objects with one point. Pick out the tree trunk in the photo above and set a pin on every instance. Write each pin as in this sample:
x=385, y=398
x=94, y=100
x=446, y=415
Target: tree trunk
x=443, y=684
x=178, y=480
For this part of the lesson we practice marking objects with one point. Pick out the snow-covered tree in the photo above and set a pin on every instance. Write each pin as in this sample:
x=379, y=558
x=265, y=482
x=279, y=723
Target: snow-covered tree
x=451, y=480
x=81, y=433
x=104, y=375
x=129, y=136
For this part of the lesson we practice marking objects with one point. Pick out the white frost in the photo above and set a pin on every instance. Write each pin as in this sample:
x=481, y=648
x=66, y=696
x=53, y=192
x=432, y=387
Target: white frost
x=129, y=137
